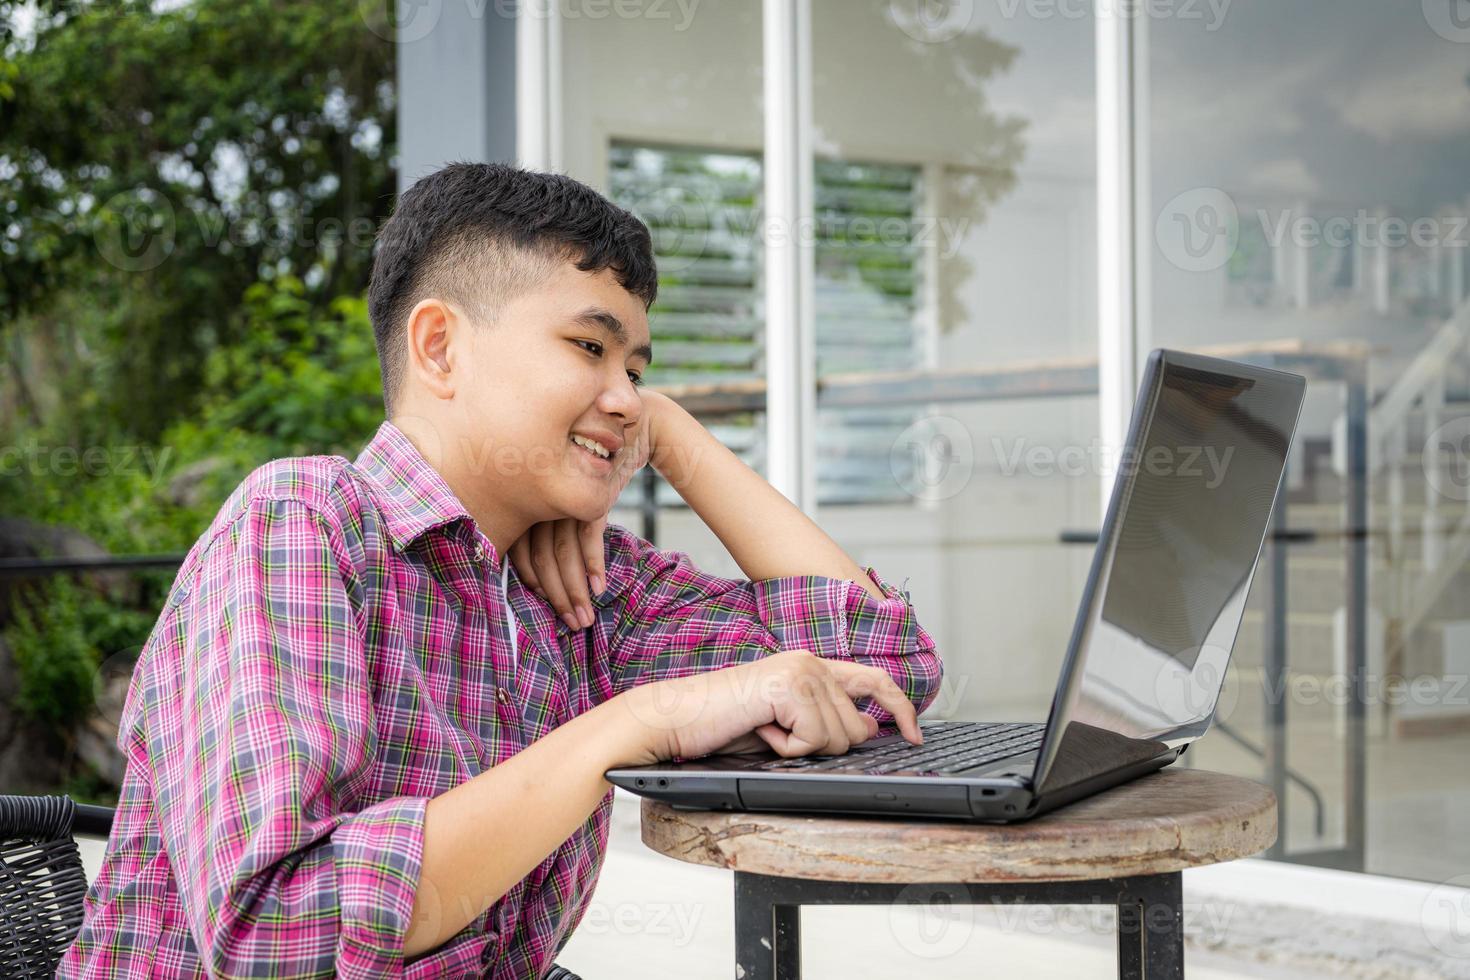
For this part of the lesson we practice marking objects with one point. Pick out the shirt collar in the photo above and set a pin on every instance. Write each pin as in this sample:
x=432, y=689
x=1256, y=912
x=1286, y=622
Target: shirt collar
x=411, y=494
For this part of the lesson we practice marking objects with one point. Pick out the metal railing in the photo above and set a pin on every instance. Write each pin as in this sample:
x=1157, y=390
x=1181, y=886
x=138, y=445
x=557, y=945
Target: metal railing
x=40, y=567
x=1445, y=538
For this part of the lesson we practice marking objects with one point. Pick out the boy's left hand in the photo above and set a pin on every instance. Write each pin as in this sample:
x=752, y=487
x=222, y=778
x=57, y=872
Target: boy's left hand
x=571, y=568
x=562, y=560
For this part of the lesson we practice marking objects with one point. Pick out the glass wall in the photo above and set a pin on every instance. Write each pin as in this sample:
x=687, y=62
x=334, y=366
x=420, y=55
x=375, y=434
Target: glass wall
x=1310, y=172
x=662, y=110
x=953, y=237
x=955, y=281
x=1302, y=200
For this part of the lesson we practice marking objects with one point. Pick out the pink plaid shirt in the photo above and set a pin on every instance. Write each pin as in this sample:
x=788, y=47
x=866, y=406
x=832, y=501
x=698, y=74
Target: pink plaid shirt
x=335, y=651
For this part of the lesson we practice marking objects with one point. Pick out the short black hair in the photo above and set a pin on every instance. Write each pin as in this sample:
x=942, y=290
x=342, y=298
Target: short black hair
x=480, y=234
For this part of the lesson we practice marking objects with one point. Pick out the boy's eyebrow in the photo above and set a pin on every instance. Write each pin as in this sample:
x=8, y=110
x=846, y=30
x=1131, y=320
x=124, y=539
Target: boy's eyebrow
x=596, y=316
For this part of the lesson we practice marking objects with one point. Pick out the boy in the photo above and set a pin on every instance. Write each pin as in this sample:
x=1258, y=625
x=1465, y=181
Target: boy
x=360, y=742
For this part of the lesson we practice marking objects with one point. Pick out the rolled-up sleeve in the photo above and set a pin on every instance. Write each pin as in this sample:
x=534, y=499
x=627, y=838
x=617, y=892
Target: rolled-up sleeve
x=669, y=619
x=256, y=741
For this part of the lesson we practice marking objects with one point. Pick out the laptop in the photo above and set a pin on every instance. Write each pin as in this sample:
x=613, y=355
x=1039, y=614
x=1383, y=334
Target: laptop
x=1196, y=483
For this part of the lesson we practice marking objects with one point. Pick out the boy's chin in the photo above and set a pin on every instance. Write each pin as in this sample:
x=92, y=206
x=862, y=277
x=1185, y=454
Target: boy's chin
x=585, y=510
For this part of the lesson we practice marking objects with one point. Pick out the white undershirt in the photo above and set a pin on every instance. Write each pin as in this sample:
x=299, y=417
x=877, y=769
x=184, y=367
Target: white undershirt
x=510, y=616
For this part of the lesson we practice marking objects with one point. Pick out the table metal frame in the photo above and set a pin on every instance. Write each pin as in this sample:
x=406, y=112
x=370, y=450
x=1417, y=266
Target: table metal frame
x=1150, y=915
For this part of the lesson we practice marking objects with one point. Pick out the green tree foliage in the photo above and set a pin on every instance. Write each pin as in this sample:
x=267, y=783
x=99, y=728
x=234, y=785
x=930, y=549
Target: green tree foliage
x=160, y=161
x=296, y=381
x=54, y=659
x=189, y=193
x=58, y=639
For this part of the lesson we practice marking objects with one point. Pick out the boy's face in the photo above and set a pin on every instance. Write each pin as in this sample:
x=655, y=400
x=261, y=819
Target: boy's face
x=544, y=370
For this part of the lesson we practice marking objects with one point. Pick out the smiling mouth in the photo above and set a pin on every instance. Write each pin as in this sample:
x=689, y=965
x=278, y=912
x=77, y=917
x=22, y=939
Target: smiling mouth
x=592, y=453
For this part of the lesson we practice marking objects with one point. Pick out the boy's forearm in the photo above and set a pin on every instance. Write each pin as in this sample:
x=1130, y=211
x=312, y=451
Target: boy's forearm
x=766, y=534
x=483, y=836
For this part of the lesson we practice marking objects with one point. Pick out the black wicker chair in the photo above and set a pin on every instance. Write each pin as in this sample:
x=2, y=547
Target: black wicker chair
x=42, y=882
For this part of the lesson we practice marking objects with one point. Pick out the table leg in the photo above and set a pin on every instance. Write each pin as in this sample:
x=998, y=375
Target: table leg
x=1150, y=916
x=767, y=933
x=1151, y=928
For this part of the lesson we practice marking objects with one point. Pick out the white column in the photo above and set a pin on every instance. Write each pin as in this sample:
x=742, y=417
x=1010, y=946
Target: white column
x=1360, y=269
x=1281, y=280
x=1139, y=139
x=1301, y=270
x=538, y=86
x=790, y=320
x=1455, y=256
x=929, y=301
x=1382, y=269
x=1449, y=257
x=1117, y=228
x=1433, y=525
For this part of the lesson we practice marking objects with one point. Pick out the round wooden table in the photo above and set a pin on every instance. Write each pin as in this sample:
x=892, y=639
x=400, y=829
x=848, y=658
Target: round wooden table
x=1124, y=847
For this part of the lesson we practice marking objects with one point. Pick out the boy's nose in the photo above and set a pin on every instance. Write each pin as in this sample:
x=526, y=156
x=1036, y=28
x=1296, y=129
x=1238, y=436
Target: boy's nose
x=622, y=400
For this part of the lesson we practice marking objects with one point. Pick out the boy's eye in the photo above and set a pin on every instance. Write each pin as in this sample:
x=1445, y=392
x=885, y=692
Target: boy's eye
x=594, y=348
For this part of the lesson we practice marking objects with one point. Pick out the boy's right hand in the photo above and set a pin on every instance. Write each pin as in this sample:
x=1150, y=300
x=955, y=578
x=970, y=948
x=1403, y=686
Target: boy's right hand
x=795, y=702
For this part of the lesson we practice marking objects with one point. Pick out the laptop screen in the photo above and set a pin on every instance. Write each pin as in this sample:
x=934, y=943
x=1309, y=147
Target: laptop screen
x=1190, y=509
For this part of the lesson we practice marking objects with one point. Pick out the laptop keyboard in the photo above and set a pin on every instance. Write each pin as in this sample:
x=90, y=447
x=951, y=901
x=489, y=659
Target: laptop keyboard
x=949, y=747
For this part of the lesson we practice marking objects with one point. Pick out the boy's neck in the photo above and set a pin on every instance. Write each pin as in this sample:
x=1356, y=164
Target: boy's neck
x=477, y=492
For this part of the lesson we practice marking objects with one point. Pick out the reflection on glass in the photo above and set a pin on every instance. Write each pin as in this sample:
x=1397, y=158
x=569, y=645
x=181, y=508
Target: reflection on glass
x=955, y=200
x=673, y=132
x=1193, y=500
x=1209, y=468
x=1309, y=183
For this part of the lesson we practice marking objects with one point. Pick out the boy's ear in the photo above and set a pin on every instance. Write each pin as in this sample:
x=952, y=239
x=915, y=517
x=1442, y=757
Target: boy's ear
x=432, y=324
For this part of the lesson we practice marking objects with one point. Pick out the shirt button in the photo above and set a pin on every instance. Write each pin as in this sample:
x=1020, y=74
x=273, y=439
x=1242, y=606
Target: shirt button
x=502, y=696
x=480, y=553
